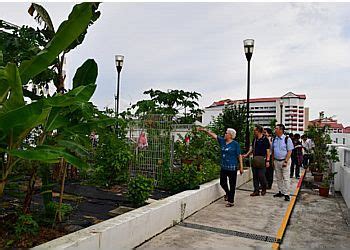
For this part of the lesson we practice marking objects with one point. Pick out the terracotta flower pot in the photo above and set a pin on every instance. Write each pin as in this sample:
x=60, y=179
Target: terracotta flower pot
x=318, y=177
x=324, y=191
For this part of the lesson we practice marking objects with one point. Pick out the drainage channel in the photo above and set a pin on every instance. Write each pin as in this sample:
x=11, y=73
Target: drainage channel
x=231, y=232
x=249, y=190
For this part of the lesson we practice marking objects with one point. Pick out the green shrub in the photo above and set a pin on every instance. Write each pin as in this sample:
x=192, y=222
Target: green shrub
x=111, y=161
x=139, y=189
x=52, y=207
x=184, y=178
x=210, y=171
x=26, y=225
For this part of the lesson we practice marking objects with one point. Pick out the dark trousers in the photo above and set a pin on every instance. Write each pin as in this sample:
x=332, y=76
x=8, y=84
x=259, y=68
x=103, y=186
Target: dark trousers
x=295, y=166
x=269, y=175
x=259, y=177
x=232, y=177
x=306, y=160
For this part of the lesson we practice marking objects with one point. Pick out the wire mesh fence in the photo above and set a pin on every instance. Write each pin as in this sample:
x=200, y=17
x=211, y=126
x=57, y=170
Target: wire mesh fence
x=153, y=138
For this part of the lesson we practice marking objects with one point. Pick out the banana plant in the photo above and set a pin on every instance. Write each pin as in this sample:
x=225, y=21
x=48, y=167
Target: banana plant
x=43, y=17
x=17, y=118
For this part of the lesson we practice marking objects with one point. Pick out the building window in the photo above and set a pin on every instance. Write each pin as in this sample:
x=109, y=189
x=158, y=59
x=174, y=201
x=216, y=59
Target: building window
x=336, y=140
x=344, y=141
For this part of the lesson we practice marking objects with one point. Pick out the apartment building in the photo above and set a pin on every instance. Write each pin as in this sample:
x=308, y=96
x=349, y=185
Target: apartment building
x=288, y=109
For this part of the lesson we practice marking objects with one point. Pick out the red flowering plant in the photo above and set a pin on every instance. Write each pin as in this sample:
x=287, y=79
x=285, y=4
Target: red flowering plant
x=195, y=147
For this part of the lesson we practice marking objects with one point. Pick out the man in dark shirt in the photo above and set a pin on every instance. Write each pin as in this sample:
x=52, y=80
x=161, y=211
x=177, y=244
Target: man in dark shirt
x=261, y=159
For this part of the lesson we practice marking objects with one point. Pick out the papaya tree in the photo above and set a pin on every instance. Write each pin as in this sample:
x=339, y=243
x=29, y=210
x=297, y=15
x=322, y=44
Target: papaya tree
x=172, y=102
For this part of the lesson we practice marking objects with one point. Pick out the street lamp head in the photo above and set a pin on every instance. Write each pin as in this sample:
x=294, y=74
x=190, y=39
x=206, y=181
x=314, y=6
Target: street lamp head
x=119, y=60
x=248, y=48
x=281, y=102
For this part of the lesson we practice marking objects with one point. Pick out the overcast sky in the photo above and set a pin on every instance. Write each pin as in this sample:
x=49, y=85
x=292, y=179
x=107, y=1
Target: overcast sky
x=299, y=47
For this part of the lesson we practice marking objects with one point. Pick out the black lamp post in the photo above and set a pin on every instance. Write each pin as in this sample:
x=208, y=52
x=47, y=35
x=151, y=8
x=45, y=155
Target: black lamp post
x=281, y=106
x=248, y=50
x=119, y=60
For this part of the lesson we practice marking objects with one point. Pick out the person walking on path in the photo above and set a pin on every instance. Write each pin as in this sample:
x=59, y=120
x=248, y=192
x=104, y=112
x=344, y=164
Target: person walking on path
x=261, y=159
x=297, y=157
x=307, y=150
x=282, y=147
x=230, y=158
x=270, y=167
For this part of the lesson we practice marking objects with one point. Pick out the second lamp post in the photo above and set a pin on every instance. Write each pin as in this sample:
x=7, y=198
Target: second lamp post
x=119, y=60
x=248, y=50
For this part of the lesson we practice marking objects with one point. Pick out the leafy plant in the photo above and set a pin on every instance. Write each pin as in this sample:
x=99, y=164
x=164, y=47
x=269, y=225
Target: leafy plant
x=232, y=117
x=52, y=209
x=111, y=160
x=139, y=189
x=171, y=102
x=197, y=146
x=26, y=225
x=328, y=180
x=321, y=153
x=210, y=171
x=183, y=178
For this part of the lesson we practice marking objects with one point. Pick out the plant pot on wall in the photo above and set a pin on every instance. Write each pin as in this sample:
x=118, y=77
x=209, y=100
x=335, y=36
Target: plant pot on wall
x=324, y=191
x=318, y=177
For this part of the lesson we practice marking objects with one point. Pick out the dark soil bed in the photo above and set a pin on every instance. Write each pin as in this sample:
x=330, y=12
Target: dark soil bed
x=90, y=205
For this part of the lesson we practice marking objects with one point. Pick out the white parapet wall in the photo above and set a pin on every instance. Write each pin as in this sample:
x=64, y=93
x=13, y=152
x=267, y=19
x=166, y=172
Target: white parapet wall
x=342, y=178
x=135, y=227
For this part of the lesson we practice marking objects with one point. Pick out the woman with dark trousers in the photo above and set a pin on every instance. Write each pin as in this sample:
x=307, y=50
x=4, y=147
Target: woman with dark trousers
x=230, y=158
x=297, y=157
x=269, y=169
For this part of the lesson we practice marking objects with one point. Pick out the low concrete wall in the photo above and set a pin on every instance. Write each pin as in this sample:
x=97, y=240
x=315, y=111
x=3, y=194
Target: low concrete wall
x=133, y=228
x=342, y=178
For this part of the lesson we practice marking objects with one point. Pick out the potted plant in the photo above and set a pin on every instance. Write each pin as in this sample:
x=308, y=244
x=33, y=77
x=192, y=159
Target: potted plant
x=320, y=136
x=324, y=187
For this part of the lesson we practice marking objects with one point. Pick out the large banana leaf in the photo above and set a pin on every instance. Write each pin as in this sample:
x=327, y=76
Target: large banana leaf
x=55, y=120
x=15, y=99
x=91, y=125
x=79, y=94
x=4, y=85
x=72, y=146
x=86, y=74
x=68, y=31
x=48, y=154
x=16, y=124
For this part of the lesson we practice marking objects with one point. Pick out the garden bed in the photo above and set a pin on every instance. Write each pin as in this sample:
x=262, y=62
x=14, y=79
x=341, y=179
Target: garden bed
x=90, y=204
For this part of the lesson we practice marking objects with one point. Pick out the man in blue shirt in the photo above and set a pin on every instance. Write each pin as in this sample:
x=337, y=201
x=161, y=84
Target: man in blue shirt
x=281, y=152
x=230, y=154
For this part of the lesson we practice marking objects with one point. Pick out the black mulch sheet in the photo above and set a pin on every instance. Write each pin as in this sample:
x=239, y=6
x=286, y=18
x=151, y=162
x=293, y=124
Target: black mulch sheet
x=96, y=202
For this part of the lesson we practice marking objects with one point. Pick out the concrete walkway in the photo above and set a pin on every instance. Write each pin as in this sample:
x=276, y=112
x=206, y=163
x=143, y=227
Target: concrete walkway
x=251, y=222
x=316, y=222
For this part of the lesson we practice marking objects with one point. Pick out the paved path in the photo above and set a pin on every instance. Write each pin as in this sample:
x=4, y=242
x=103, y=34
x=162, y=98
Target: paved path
x=316, y=222
x=219, y=227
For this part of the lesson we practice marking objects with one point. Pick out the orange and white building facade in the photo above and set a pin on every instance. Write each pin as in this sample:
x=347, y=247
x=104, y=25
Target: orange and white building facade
x=339, y=134
x=290, y=107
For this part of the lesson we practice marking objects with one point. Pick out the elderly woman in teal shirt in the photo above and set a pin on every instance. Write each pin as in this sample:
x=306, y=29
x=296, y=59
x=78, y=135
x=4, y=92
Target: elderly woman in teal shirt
x=230, y=158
